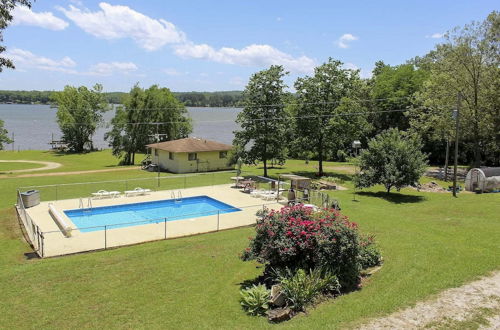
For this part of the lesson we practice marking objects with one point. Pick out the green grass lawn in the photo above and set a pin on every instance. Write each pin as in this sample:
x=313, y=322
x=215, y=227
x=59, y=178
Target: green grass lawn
x=430, y=242
x=10, y=166
x=70, y=162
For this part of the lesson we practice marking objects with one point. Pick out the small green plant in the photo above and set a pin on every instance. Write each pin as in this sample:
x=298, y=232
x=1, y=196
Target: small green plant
x=301, y=289
x=255, y=300
x=369, y=255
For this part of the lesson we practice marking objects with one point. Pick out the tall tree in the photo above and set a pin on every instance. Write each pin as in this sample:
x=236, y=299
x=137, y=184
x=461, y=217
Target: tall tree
x=79, y=113
x=468, y=63
x=145, y=113
x=328, y=113
x=6, y=7
x=393, y=88
x=3, y=135
x=263, y=120
x=393, y=159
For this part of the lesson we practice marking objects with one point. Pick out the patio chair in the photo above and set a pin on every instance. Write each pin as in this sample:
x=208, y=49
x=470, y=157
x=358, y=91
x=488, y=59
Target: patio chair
x=137, y=191
x=100, y=194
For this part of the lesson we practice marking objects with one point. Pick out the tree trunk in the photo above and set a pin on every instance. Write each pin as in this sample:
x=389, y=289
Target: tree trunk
x=133, y=158
x=320, y=156
x=265, y=167
x=446, y=159
x=388, y=188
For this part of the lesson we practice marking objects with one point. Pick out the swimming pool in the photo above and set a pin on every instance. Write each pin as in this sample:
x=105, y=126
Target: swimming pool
x=135, y=214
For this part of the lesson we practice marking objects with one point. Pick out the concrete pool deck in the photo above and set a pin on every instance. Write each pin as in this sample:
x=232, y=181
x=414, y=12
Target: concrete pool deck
x=55, y=243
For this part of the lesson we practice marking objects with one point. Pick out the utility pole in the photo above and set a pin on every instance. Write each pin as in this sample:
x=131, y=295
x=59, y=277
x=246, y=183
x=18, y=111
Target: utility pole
x=157, y=138
x=456, y=115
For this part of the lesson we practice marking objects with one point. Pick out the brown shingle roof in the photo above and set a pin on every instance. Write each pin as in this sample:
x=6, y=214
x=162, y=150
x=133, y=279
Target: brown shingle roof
x=190, y=145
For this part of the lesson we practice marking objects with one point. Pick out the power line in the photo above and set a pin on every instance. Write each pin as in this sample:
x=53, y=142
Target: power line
x=262, y=105
x=256, y=119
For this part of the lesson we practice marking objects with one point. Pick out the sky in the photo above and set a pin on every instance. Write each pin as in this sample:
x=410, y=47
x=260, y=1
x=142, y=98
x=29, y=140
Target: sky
x=216, y=45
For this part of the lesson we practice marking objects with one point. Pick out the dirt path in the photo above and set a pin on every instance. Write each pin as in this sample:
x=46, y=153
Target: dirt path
x=476, y=303
x=48, y=165
x=70, y=173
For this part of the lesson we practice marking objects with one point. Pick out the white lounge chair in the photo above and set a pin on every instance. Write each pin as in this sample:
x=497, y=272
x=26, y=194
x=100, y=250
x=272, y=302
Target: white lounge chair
x=137, y=191
x=105, y=194
x=269, y=196
x=258, y=193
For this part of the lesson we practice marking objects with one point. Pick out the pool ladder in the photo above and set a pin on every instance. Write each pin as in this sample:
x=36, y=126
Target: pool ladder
x=179, y=196
x=89, y=203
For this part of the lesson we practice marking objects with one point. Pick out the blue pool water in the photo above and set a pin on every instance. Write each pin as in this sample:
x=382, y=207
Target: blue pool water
x=136, y=214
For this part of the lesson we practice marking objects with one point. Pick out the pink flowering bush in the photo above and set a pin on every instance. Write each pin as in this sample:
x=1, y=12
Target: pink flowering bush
x=298, y=238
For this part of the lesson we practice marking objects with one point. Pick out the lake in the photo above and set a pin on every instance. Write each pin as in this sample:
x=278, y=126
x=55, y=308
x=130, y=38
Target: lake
x=35, y=125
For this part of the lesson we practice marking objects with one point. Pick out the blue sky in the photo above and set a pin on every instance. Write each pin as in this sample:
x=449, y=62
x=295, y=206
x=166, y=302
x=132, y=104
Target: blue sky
x=216, y=45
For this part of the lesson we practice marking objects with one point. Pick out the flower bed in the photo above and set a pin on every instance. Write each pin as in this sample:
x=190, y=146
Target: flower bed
x=323, y=242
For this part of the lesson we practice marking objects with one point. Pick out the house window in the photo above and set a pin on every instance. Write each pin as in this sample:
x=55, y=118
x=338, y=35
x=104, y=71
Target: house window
x=192, y=156
x=222, y=154
x=171, y=155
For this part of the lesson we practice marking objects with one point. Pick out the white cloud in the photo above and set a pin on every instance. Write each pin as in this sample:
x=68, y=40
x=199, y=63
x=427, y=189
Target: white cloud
x=110, y=68
x=435, y=36
x=116, y=22
x=171, y=72
x=27, y=59
x=253, y=55
x=344, y=39
x=25, y=16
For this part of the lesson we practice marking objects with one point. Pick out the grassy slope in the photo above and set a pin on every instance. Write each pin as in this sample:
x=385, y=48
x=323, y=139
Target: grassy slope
x=10, y=166
x=430, y=242
x=70, y=162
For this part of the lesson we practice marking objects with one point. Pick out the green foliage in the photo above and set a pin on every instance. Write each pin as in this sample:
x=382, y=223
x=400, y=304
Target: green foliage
x=255, y=300
x=302, y=288
x=369, y=254
x=467, y=63
x=130, y=133
x=5, y=18
x=263, y=121
x=4, y=138
x=393, y=88
x=210, y=99
x=393, y=159
x=79, y=114
x=323, y=101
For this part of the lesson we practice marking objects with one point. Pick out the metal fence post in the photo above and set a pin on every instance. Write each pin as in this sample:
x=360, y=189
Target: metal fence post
x=165, y=222
x=184, y=182
x=218, y=214
x=105, y=237
x=42, y=247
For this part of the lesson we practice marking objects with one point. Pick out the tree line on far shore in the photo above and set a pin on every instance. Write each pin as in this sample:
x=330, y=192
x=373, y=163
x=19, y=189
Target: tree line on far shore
x=190, y=99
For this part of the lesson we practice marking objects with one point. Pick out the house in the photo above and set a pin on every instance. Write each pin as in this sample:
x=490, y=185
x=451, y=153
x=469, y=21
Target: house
x=189, y=155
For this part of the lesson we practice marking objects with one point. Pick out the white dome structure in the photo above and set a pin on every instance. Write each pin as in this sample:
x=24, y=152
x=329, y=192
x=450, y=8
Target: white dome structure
x=485, y=179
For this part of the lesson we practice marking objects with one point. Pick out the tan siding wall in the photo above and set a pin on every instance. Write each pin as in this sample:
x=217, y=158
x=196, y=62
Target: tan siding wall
x=207, y=161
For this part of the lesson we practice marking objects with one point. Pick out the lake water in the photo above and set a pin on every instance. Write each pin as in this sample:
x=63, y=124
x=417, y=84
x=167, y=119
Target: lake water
x=35, y=125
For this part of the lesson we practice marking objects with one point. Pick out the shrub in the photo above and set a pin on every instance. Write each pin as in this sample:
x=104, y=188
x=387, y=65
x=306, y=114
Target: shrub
x=393, y=158
x=255, y=300
x=369, y=255
x=298, y=238
x=301, y=289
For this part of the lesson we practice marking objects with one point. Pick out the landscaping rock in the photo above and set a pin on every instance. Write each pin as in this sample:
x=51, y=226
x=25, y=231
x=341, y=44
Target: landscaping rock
x=277, y=297
x=279, y=314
